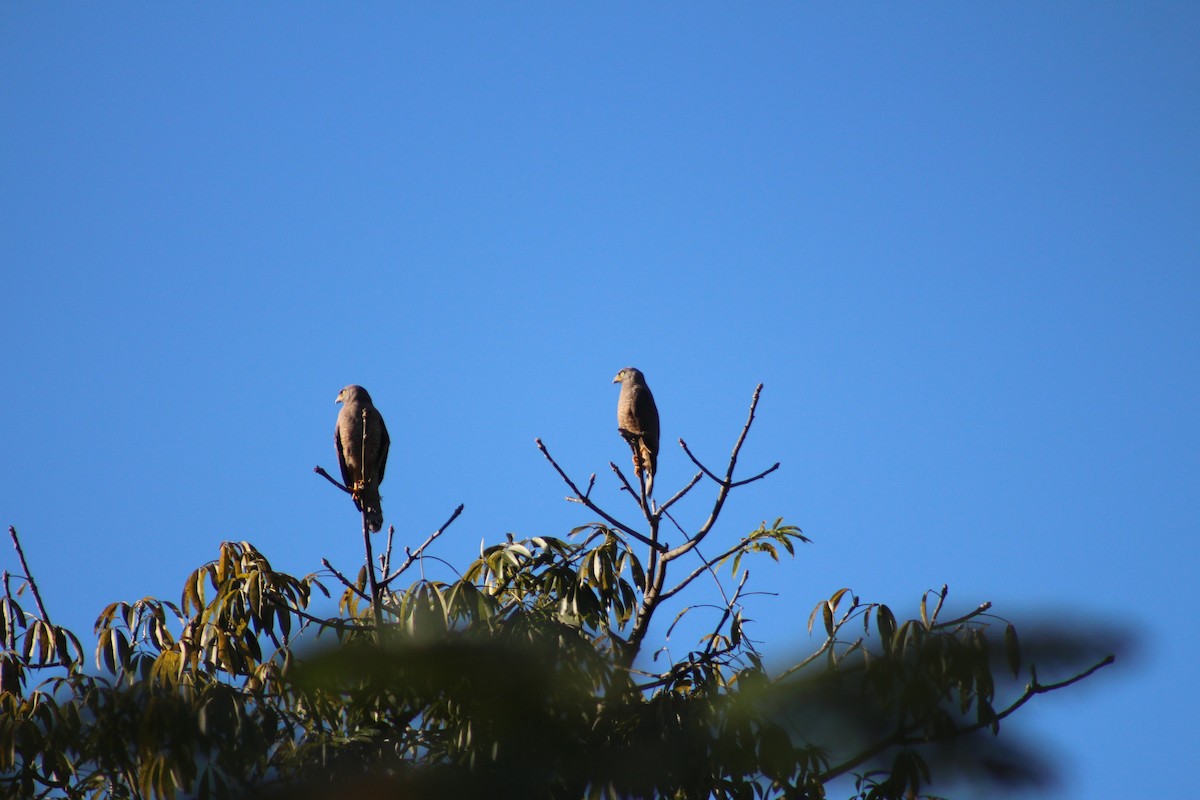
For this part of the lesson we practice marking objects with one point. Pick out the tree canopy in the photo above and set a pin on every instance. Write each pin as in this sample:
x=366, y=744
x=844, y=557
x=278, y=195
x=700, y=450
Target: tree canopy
x=533, y=674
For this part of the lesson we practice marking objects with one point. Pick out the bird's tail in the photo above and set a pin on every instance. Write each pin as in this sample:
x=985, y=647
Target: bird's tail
x=373, y=508
x=651, y=462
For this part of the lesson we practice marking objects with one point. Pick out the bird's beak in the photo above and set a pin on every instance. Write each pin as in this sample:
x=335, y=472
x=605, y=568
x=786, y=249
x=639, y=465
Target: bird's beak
x=617, y=379
x=338, y=399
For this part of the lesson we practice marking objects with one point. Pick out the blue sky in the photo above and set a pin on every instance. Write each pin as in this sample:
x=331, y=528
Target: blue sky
x=957, y=243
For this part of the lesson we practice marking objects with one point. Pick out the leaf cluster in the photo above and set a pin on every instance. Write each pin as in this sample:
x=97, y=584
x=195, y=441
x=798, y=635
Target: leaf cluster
x=534, y=674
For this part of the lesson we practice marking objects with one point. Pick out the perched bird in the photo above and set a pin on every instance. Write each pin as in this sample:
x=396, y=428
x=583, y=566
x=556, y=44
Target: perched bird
x=637, y=421
x=362, y=455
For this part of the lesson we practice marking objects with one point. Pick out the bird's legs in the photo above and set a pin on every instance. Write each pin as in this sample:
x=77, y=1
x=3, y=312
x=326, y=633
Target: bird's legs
x=634, y=440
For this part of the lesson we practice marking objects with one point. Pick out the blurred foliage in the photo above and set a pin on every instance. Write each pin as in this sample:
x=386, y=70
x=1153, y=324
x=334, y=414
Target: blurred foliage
x=530, y=676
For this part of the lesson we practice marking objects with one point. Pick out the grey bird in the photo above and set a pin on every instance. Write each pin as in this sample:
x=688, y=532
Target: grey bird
x=362, y=457
x=637, y=422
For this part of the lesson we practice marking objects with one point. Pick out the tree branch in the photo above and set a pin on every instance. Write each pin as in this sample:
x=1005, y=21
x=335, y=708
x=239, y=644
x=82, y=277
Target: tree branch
x=337, y=624
x=385, y=560
x=903, y=735
x=641, y=499
x=372, y=579
x=37, y=596
x=705, y=566
x=582, y=498
x=728, y=610
x=345, y=581
x=964, y=618
x=413, y=555
x=679, y=495
x=725, y=484
x=321, y=471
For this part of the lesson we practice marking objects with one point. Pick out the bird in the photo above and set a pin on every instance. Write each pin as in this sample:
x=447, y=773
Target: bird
x=362, y=455
x=637, y=422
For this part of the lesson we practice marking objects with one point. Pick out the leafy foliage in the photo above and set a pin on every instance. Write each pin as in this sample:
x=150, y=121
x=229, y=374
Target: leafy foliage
x=528, y=676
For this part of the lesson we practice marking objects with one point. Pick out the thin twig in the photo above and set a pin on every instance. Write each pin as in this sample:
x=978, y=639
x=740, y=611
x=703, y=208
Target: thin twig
x=679, y=495
x=385, y=560
x=830, y=641
x=674, y=521
x=624, y=481
x=696, y=461
x=969, y=615
x=634, y=440
x=372, y=578
x=757, y=477
x=731, y=484
x=345, y=581
x=705, y=566
x=581, y=498
x=321, y=471
x=941, y=599
x=677, y=670
x=339, y=624
x=724, y=485
x=903, y=736
x=728, y=609
x=642, y=500
x=413, y=555
x=37, y=596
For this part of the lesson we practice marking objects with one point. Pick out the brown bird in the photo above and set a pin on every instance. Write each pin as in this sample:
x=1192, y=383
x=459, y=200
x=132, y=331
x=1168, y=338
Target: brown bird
x=637, y=422
x=362, y=457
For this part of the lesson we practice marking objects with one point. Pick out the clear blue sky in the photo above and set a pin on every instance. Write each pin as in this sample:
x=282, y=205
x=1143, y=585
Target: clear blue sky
x=959, y=243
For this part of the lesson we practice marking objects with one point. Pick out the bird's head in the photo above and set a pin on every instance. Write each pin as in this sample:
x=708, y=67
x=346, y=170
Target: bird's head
x=629, y=375
x=353, y=393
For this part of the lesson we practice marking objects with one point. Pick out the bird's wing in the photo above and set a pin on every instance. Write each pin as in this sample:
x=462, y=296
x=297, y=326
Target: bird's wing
x=385, y=442
x=347, y=474
x=646, y=413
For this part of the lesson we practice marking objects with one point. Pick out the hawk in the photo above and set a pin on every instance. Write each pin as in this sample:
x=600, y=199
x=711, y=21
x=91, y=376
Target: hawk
x=362, y=456
x=637, y=421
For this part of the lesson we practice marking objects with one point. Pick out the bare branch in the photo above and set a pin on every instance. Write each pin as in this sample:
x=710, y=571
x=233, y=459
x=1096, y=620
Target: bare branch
x=705, y=566
x=757, y=477
x=674, y=522
x=737, y=448
x=677, y=670
x=965, y=617
x=629, y=488
x=37, y=596
x=321, y=471
x=724, y=484
x=733, y=484
x=679, y=495
x=696, y=461
x=372, y=578
x=345, y=581
x=413, y=555
x=385, y=560
x=941, y=599
x=829, y=642
x=580, y=497
x=339, y=624
x=729, y=603
x=905, y=735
